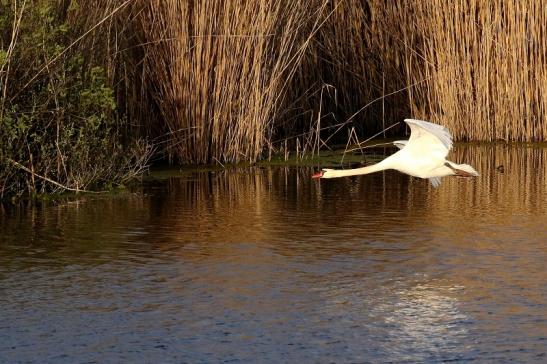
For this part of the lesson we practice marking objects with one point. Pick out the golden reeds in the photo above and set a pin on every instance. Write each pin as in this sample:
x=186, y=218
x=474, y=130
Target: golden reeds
x=485, y=66
x=218, y=71
x=229, y=78
x=477, y=67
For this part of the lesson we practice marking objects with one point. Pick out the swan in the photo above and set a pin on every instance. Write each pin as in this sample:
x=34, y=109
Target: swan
x=423, y=155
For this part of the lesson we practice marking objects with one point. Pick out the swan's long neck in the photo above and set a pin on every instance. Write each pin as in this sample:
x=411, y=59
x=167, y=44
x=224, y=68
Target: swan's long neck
x=380, y=166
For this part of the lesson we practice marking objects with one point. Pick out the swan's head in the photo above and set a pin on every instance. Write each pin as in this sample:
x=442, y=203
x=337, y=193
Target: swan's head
x=324, y=173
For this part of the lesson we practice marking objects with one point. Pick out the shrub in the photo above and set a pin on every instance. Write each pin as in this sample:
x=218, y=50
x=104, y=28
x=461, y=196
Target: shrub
x=59, y=125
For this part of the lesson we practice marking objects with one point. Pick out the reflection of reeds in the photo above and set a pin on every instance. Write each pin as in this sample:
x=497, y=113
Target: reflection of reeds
x=281, y=204
x=265, y=204
x=522, y=186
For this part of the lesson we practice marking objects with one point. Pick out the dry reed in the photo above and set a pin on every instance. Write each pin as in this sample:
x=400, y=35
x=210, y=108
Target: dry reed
x=218, y=72
x=475, y=66
x=485, y=65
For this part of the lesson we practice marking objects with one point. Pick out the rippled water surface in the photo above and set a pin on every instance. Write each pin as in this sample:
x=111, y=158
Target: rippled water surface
x=265, y=264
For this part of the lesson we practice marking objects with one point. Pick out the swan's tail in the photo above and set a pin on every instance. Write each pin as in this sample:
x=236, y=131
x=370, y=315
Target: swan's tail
x=464, y=170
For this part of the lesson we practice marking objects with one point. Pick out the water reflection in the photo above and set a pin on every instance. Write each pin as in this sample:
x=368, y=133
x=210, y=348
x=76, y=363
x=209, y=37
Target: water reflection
x=267, y=263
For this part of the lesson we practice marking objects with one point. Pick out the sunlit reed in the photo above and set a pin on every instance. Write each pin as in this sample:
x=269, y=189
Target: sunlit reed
x=484, y=62
x=229, y=79
x=218, y=71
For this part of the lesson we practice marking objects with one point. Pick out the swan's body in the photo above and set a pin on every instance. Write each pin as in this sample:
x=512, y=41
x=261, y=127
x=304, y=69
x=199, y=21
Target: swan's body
x=423, y=155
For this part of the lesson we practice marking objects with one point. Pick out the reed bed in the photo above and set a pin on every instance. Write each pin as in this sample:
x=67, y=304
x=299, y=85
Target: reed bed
x=356, y=55
x=219, y=72
x=475, y=66
x=238, y=80
x=484, y=62
x=235, y=80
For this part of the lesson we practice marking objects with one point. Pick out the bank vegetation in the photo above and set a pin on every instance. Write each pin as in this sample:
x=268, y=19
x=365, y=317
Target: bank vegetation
x=91, y=90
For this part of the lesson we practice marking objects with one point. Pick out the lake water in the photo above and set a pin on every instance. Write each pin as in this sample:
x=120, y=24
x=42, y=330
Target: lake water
x=268, y=265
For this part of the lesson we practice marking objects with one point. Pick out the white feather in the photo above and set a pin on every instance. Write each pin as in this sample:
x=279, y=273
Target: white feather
x=435, y=181
x=427, y=133
x=400, y=143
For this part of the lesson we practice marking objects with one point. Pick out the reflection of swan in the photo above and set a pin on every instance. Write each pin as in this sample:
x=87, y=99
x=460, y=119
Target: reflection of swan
x=423, y=155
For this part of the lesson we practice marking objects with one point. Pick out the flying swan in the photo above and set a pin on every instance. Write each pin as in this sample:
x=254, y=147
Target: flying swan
x=423, y=155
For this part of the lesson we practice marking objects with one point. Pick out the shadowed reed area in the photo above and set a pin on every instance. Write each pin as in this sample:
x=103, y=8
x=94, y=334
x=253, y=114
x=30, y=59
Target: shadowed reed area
x=84, y=84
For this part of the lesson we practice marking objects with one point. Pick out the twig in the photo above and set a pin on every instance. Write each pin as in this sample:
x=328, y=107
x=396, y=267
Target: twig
x=20, y=166
x=350, y=119
x=219, y=162
x=368, y=146
x=372, y=102
x=363, y=142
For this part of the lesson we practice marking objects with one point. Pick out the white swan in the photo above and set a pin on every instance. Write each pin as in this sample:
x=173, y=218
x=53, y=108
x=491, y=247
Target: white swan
x=423, y=155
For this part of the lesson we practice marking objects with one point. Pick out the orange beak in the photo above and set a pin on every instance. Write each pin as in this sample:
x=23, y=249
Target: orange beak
x=318, y=174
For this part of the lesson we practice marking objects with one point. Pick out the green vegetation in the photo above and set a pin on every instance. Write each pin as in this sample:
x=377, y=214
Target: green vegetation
x=59, y=125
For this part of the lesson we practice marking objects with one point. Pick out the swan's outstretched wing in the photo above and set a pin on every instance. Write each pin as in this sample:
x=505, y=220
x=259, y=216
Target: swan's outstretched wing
x=429, y=136
x=435, y=181
x=400, y=143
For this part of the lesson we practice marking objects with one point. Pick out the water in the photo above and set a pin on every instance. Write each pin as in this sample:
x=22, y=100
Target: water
x=267, y=265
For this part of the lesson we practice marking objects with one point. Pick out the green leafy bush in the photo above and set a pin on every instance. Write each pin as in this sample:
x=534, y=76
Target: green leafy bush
x=58, y=114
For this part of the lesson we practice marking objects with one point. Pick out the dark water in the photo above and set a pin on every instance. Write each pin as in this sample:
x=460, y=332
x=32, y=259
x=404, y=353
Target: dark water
x=266, y=265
